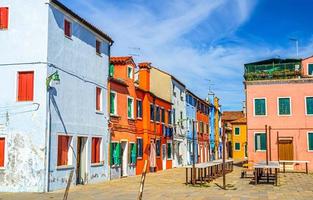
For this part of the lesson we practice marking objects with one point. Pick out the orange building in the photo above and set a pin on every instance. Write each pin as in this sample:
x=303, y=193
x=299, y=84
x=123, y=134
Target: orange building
x=153, y=125
x=122, y=98
x=203, y=132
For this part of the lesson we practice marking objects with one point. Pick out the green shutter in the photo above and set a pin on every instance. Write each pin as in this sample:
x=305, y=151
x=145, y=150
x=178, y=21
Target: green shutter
x=133, y=153
x=118, y=154
x=129, y=108
x=310, y=137
x=111, y=154
x=111, y=70
x=237, y=146
x=255, y=142
x=310, y=70
x=169, y=150
x=237, y=131
x=259, y=106
x=309, y=105
x=263, y=141
x=112, y=102
x=284, y=106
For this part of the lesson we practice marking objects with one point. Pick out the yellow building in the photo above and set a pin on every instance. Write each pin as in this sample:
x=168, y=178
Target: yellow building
x=239, y=139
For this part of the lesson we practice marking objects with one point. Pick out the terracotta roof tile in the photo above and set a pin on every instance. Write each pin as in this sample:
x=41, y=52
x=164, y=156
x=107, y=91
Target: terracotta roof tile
x=240, y=121
x=122, y=60
x=232, y=115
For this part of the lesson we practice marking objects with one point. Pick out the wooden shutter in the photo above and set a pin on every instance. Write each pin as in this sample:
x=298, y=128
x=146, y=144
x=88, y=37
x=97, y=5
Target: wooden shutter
x=111, y=70
x=237, y=131
x=284, y=106
x=2, y=151
x=98, y=46
x=129, y=108
x=310, y=69
x=63, y=146
x=309, y=105
x=67, y=28
x=95, y=151
x=310, y=138
x=25, y=86
x=112, y=103
x=98, y=98
x=259, y=106
x=118, y=153
x=4, y=18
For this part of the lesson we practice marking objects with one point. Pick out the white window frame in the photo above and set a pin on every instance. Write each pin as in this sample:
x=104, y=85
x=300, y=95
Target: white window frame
x=115, y=103
x=290, y=106
x=70, y=154
x=101, y=100
x=308, y=69
x=305, y=106
x=235, y=146
x=265, y=107
x=255, y=150
x=235, y=131
x=307, y=139
x=169, y=142
x=137, y=109
x=101, y=162
x=5, y=152
x=132, y=72
x=132, y=107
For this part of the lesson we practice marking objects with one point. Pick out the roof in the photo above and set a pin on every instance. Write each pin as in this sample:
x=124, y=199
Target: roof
x=232, y=115
x=122, y=60
x=83, y=21
x=118, y=81
x=240, y=121
x=145, y=65
x=274, y=61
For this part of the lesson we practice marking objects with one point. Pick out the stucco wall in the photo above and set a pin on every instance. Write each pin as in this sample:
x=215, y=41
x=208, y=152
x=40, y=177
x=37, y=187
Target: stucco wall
x=191, y=115
x=161, y=84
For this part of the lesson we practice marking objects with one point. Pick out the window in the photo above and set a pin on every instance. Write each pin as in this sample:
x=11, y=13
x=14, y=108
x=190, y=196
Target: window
x=151, y=112
x=260, y=141
x=115, y=153
x=98, y=99
x=133, y=153
x=64, y=155
x=2, y=152
x=25, y=86
x=169, y=117
x=310, y=141
x=284, y=106
x=181, y=96
x=174, y=117
x=139, y=109
x=111, y=70
x=158, y=113
x=237, y=146
x=237, y=131
x=98, y=47
x=67, y=28
x=130, y=72
x=169, y=150
x=259, y=107
x=140, y=147
x=4, y=17
x=95, y=150
x=163, y=115
x=113, y=104
x=130, y=107
x=309, y=105
x=158, y=147
x=310, y=69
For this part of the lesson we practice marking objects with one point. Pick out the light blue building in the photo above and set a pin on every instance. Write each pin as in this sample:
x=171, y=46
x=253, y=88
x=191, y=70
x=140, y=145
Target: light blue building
x=212, y=126
x=52, y=129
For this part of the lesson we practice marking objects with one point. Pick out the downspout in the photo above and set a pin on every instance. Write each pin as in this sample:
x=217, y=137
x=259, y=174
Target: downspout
x=108, y=113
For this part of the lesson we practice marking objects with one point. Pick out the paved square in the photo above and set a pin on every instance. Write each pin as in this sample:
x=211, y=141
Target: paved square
x=170, y=185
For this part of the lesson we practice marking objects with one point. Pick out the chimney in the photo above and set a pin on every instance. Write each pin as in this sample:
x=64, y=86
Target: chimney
x=244, y=108
x=144, y=75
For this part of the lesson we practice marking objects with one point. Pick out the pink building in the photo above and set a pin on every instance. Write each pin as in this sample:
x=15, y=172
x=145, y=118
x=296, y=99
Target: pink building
x=279, y=94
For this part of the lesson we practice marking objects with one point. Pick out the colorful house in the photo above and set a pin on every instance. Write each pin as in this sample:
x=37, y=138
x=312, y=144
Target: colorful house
x=202, y=118
x=124, y=110
x=192, y=137
x=279, y=94
x=218, y=129
x=48, y=130
x=239, y=139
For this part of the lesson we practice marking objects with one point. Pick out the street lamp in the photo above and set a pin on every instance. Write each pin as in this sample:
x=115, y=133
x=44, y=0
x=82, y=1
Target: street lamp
x=53, y=77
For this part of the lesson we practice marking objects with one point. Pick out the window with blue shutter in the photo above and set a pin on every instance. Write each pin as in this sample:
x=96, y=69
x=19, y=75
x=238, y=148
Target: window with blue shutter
x=139, y=148
x=139, y=108
x=259, y=107
x=151, y=112
x=260, y=142
x=310, y=142
x=309, y=105
x=284, y=106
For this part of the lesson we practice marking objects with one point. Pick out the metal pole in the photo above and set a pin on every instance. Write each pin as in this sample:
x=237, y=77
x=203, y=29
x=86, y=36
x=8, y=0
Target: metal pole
x=224, y=154
x=266, y=144
x=278, y=146
x=270, y=144
x=193, y=154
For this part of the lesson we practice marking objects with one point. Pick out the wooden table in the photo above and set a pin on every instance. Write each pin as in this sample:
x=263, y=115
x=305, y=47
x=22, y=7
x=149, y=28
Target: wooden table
x=261, y=166
x=295, y=161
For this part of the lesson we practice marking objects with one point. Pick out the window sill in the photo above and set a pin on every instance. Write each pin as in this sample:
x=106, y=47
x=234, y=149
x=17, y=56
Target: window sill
x=99, y=112
x=260, y=151
x=139, y=118
x=114, y=115
x=132, y=165
x=65, y=167
x=98, y=54
x=132, y=119
x=2, y=168
x=68, y=37
x=115, y=166
x=97, y=164
x=139, y=158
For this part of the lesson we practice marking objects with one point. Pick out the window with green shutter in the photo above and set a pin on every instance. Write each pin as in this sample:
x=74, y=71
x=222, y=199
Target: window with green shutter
x=259, y=107
x=139, y=109
x=310, y=142
x=130, y=72
x=133, y=153
x=111, y=70
x=169, y=150
x=284, y=106
x=237, y=131
x=130, y=107
x=115, y=153
x=139, y=148
x=309, y=105
x=310, y=69
x=113, y=103
x=237, y=146
x=260, y=141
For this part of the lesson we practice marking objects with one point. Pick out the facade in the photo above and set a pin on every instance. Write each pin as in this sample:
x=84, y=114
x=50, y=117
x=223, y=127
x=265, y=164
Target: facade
x=203, y=129
x=279, y=94
x=239, y=139
x=124, y=108
x=41, y=129
x=218, y=129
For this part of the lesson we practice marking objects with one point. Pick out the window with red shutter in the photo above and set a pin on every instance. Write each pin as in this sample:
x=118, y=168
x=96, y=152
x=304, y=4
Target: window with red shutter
x=67, y=28
x=4, y=17
x=95, y=150
x=63, y=149
x=98, y=99
x=2, y=151
x=98, y=47
x=25, y=86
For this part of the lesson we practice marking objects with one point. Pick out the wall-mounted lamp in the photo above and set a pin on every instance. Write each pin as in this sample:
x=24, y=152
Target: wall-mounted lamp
x=53, y=77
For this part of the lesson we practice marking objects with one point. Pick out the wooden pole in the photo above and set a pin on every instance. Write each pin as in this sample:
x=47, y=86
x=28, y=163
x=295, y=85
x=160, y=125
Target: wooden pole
x=266, y=144
x=278, y=146
x=68, y=185
x=270, y=143
x=193, y=154
x=142, y=182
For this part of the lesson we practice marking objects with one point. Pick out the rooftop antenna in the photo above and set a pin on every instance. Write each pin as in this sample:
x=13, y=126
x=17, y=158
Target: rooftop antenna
x=136, y=51
x=210, y=86
x=297, y=45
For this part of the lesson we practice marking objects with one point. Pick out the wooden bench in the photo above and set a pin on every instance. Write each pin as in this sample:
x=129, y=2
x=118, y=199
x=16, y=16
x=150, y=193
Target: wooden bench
x=295, y=161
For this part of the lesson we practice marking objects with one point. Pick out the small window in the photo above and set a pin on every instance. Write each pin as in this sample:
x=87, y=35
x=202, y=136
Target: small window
x=237, y=131
x=260, y=142
x=4, y=17
x=67, y=28
x=163, y=115
x=95, y=150
x=309, y=105
x=259, y=107
x=169, y=117
x=158, y=113
x=130, y=107
x=158, y=147
x=169, y=150
x=111, y=70
x=64, y=153
x=151, y=112
x=25, y=86
x=133, y=153
x=98, y=99
x=113, y=104
x=139, y=109
x=98, y=47
x=310, y=69
x=310, y=141
x=130, y=72
x=115, y=153
x=237, y=146
x=284, y=106
x=2, y=152
x=174, y=116
x=140, y=148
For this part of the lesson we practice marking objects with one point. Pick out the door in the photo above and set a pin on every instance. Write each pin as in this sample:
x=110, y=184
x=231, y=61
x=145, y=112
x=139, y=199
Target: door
x=81, y=169
x=285, y=150
x=124, y=157
x=164, y=156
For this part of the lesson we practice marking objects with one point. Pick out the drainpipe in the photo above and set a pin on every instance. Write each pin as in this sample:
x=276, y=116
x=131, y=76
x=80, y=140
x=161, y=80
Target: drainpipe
x=109, y=131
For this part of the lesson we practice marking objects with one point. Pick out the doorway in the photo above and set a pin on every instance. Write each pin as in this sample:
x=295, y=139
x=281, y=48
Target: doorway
x=285, y=149
x=81, y=164
x=124, y=157
x=164, y=156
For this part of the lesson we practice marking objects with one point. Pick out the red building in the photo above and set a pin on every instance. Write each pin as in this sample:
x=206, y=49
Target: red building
x=203, y=130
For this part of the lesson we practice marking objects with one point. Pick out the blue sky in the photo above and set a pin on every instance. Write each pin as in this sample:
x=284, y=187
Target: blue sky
x=204, y=42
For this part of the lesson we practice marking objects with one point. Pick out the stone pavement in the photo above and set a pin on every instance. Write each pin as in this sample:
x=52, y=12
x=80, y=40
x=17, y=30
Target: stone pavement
x=170, y=185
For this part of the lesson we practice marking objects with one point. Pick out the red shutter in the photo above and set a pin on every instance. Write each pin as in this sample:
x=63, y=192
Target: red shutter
x=95, y=150
x=98, y=46
x=67, y=28
x=25, y=86
x=4, y=17
x=63, y=146
x=98, y=99
x=98, y=150
x=2, y=148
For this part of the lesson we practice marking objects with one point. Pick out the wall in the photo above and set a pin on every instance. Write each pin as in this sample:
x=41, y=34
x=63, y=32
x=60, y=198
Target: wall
x=23, y=123
x=241, y=138
x=305, y=63
x=161, y=84
x=191, y=116
x=73, y=101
